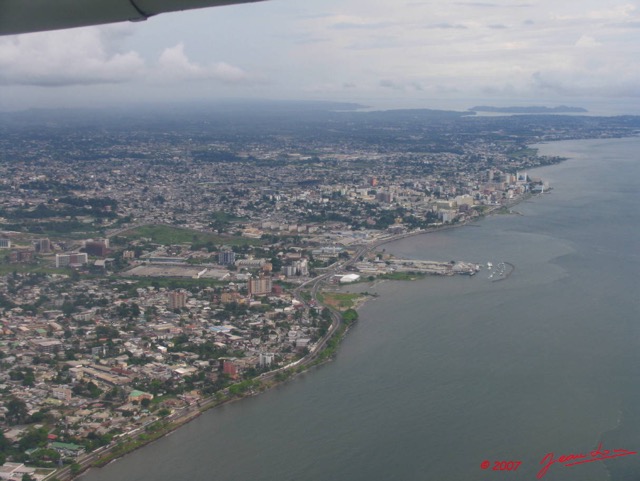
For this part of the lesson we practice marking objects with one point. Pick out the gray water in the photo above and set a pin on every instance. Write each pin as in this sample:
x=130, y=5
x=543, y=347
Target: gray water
x=443, y=373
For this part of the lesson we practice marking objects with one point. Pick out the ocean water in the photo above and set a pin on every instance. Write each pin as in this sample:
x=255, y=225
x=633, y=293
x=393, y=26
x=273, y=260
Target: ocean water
x=442, y=374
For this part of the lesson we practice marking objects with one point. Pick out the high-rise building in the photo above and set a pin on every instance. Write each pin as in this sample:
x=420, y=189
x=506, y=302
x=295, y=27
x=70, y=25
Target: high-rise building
x=385, y=197
x=260, y=286
x=303, y=267
x=226, y=258
x=96, y=248
x=42, y=246
x=266, y=359
x=63, y=260
x=230, y=368
x=177, y=299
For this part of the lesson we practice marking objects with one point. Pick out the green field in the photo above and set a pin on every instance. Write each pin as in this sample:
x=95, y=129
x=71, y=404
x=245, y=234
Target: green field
x=167, y=235
x=528, y=152
x=339, y=300
x=403, y=276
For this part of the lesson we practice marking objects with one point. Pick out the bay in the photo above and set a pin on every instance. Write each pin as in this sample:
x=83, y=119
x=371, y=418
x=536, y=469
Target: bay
x=442, y=374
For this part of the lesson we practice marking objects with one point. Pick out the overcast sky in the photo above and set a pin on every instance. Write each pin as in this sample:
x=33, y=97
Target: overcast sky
x=430, y=53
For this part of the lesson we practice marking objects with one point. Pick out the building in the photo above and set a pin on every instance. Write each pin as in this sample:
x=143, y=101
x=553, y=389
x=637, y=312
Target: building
x=177, y=299
x=73, y=259
x=47, y=346
x=349, y=278
x=226, y=258
x=22, y=255
x=297, y=268
x=326, y=253
x=384, y=197
x=5, y=243
x=42, y=246
x=266, y=359
x=260, y=286
x=62, y=393
x=230, y=368
x=15, y=471
x=303, y=267
x=138, y=396
x=251, y=263
x=67, y=449
x=96, y=248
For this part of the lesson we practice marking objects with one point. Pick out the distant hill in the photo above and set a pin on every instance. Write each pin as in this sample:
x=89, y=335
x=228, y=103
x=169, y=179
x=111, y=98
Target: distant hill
x=562, y=109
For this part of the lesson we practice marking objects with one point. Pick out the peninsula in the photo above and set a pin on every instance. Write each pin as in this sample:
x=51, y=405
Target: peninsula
x=562, y=109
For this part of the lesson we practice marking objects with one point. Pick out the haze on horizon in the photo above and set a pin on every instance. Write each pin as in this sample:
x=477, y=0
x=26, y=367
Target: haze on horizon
x=450, y=54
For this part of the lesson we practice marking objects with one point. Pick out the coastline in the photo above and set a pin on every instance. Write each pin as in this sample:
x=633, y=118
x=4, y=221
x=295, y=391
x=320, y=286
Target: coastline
x=330, y=344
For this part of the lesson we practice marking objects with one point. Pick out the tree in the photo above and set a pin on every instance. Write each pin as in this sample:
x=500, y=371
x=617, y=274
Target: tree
x=276, y=263
x=29, y=378
x=94, y=391
x=16, y=411
x=27, y=477
x=164, y=412
x=4, y=443
x=68, y=308
x=349, y=316
x=33, y=438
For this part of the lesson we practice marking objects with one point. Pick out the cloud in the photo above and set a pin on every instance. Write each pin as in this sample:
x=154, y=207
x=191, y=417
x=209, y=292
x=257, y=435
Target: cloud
x=324, y=48
x=587, y=83
x=361, y=25
x=330, y=88
x=477, y=4
x=401, y=85
x=379, y=42
x=618, y=12
x=94, y=55
x=625, y=25
x=75, y=57
x=448, y=26
x=173, y=64
x=613, y=13
x=310, y=40
x=390, y=84
x=587, y=41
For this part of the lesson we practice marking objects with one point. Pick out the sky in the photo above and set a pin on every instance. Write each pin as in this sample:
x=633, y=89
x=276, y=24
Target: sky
x=383, y=53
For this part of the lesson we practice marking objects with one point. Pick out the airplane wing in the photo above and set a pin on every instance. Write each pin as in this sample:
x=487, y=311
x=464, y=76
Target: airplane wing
x=22, y=16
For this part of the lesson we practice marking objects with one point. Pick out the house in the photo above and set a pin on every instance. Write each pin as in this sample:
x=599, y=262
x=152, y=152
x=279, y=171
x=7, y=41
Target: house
x=67, y=449
x=139, y=396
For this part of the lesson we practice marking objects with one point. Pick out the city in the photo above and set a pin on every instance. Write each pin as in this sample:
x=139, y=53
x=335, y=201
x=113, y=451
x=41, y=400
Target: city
x=154, y=266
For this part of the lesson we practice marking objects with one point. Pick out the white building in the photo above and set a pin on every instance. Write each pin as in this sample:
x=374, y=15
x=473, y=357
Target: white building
x=349, y=278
